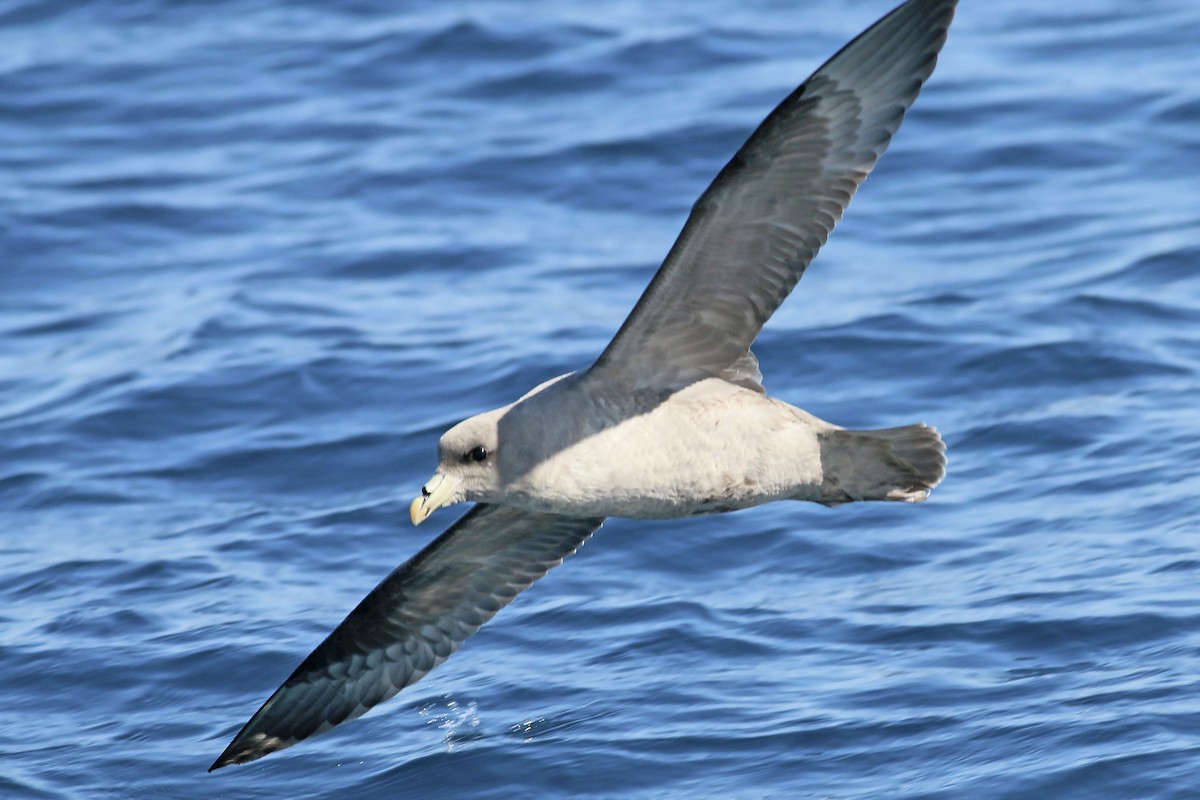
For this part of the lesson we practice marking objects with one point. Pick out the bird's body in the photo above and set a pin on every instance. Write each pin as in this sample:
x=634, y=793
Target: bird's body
x=716, y=447
x=672, y=420
x=710, y=454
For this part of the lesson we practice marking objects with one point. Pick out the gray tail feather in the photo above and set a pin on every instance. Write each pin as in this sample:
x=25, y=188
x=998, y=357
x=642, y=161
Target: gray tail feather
x=887, y=464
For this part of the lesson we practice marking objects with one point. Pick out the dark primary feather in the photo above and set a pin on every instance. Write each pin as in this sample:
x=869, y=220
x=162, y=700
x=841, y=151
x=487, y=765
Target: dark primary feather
x=411, y=622
x=753, y=232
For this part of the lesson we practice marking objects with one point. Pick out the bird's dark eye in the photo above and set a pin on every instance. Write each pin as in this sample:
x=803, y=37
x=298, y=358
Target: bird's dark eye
x=477, y=454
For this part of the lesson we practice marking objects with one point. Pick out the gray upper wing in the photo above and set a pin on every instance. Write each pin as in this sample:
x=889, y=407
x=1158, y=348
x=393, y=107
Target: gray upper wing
x=753, y=232
x=411, y=622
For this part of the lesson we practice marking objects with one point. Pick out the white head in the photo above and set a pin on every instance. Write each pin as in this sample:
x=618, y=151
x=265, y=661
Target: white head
x=467, y=466
x=474, y=465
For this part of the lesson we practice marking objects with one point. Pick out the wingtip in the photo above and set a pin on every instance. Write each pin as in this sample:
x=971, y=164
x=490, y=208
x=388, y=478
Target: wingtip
x=227, y=757
x=243, y=750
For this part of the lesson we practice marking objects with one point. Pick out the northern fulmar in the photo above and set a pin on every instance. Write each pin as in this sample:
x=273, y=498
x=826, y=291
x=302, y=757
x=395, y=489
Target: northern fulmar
x=670, y=421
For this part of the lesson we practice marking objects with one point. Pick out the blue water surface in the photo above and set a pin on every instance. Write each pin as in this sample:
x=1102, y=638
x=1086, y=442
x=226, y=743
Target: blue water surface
x=256, y=255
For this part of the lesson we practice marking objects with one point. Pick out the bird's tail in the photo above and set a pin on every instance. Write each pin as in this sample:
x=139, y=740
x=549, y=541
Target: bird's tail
x=888, y=464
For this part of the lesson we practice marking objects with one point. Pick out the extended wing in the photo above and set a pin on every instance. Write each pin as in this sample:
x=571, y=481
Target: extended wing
x=753, y=232
x=411, y=622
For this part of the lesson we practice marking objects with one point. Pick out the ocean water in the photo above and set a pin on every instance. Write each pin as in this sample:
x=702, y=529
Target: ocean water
x=256, y=255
